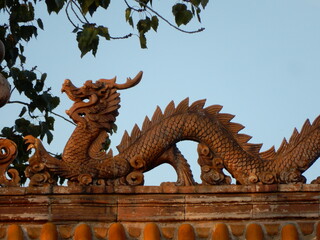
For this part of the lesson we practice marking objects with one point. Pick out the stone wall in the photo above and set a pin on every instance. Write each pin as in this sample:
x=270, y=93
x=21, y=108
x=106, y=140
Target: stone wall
x=165, y=212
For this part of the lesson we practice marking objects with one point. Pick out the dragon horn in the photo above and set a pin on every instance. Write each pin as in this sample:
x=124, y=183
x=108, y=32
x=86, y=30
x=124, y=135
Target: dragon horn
x=128, y=84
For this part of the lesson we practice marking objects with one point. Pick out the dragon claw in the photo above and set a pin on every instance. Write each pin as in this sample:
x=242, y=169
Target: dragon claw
x=30, y=141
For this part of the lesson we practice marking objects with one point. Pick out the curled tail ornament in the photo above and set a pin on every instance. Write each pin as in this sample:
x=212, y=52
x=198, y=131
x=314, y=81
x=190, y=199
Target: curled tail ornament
x=8, y=152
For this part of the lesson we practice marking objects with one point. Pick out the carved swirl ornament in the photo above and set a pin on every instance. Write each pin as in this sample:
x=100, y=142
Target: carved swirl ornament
x=8, y=151
x=221, y=147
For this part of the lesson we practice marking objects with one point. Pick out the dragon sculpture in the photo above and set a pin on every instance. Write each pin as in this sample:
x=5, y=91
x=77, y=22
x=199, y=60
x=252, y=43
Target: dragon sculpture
x=221, y=146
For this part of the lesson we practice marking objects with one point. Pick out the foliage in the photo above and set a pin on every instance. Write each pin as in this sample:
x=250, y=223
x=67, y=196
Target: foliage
x=36, y=116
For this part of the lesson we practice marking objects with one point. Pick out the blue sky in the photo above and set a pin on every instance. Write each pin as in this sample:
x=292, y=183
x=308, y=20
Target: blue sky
x=259, y=59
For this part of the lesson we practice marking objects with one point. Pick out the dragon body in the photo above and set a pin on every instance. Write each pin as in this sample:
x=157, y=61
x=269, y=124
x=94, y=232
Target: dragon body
x=221, y=146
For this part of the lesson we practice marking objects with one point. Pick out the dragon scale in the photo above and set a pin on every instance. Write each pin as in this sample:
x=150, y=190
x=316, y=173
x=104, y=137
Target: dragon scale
x=206, y=128
x=220, y=143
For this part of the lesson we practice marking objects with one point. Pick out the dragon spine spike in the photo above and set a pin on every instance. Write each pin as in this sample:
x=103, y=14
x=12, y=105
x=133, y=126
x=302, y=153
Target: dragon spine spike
x=146, y=124
x=294, y=137
x=252, y=148
x=169, y=109
x=283, y=146
x=110, y=153
x=235, y=127
x=316, y=122
x=135, y=133
x=213, y=109
x=182, y=106
x=268, y=154
x=297, y=137
x=306, y=128
x=225, y=118
x=243, y=138
x=197, y=105
x=124, y=141
x=157, y=116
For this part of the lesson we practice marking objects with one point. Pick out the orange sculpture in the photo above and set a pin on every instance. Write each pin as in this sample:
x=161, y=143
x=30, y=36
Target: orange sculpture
x=8, y=152
x=220, y=145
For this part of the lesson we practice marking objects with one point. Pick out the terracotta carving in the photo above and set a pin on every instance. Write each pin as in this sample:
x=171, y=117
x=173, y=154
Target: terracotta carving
x=220, y=145
x=4, y=84
x=8, y=152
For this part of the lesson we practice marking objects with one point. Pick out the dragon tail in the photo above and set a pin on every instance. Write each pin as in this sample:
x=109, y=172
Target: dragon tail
x=302, y=149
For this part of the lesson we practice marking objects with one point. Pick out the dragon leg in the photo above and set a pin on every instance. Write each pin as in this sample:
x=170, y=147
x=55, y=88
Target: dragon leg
x=174, y=157
x=41, y=163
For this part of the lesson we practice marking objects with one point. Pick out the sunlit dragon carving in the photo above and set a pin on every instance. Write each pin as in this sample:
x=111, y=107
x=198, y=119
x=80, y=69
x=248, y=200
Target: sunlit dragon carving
x=220, y=145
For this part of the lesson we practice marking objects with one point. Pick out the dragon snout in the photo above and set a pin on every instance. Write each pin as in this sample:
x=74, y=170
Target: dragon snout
x=67, y=83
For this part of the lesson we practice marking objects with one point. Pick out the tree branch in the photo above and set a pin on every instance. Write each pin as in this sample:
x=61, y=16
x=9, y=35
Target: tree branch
x=124, y=37
x=66, y=119
x=56, y=114
x=86, y=20
x=75, y=26
x=169, y=23
x=19, y=102
x=134, y=9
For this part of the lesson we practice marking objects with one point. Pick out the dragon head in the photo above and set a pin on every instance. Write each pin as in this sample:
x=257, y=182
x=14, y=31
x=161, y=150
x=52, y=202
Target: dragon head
x=96, y=103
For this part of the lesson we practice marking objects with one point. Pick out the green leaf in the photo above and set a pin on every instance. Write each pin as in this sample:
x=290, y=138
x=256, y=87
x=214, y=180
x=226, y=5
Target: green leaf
x=144, y=25
x=88, y=40
x=195, y=2
x=3, y=30
x=49, y=137
x=22, y=58
x=54, y=102
x=154, y=23
x=106, y=144
x=54, y=5
x=131, y=22
x=76, y=30
x=21, y=48
x=182, y=14
x=40, y=23
x=43, y=77
x=27, y=32
x=23, y=81
x=192, y=9
x=114, y=128
x=104, y=3
x=93, y=7
x=85, y=4
x=127, y=14
x=143, y=40
x=12, y=55
x=104, y=32
x=204, y=3
x=7, y=132
x=50, y=122
x=22, y=126
x=46, y=102
x=59, y=4
x=23, y=111
x=198, y=14
x=39, y=86
x=22, y=12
